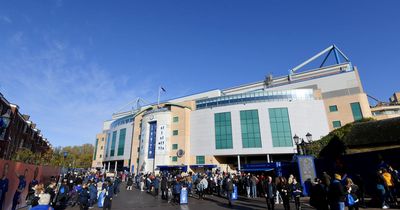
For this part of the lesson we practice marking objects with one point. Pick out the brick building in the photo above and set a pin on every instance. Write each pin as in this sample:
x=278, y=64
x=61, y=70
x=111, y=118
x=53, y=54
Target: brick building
x=17, y=131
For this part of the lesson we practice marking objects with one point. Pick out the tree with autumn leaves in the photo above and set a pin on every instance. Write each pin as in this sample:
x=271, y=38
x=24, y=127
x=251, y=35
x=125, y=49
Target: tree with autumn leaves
x=76, y=156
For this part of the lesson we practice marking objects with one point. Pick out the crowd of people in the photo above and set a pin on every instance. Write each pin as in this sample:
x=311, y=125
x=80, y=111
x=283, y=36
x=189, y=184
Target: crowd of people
x=89, y=189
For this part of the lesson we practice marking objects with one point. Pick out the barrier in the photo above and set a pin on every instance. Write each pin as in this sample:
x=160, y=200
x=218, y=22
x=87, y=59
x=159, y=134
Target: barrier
x=235, y=193
x=184, y=196
x=11, y=169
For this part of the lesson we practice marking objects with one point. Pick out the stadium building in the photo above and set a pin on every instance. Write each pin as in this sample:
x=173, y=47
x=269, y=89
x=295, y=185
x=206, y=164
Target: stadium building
x=233, y=128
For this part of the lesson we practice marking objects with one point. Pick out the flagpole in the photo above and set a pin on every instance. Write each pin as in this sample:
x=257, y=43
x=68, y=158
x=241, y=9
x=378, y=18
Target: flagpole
x=158, y=99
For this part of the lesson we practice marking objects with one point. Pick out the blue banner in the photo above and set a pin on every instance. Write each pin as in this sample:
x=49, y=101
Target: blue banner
x=152, y=140
x=184, y=196
x=306, y=170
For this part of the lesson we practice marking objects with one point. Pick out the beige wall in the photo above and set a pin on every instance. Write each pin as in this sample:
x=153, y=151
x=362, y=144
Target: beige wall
x=98, y=162
x=135, y=141
x=344, y=113
x=385, y=108
x=183, y=137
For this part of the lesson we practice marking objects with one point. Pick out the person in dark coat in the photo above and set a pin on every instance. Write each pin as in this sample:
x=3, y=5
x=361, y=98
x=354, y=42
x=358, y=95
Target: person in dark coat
x=269, y=192
x=318, y=195
x=92, y=194
x=84, y=197
x=351, y=190
x=164, y=189
x=297, y=191
x=229, y=189
x=109, y=192
x=156, y=185
x=336, y=194
x=284, y=191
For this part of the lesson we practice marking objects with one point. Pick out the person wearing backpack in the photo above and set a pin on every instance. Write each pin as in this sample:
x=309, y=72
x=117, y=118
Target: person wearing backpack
x=351, y=195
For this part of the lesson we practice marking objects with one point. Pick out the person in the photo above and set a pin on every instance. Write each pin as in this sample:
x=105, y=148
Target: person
x=336, y=194
x=381, y=188
x=351, y=190
x=3, y=185
x=20, y=189
x=43, y=203
x=92, y=194
x=129, y=183
x=247, y=184
x=62, y=196
x=156, y=185
x=318, y=195
x=117, y=182
x=164, y=188
x=297, y=191
x=176, y=190
x=284, y=191
x=201, y=187
x=269, y=193
x=389, y=185
x=109, y=191
x=31, y=199
x=84, y=197
x=229, y=189
x=253, y=181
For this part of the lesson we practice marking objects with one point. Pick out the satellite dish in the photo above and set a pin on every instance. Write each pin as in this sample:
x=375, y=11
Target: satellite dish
x=180, y=153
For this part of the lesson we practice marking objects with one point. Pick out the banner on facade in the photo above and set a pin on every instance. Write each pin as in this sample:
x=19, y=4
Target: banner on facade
x=152, y=140
x=162, y=140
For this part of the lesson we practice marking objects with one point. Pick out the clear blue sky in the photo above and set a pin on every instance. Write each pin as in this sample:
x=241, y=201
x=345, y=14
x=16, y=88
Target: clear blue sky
x=71, y=64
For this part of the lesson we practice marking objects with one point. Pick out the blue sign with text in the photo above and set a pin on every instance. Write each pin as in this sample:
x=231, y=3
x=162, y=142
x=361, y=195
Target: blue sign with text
x=152, y=140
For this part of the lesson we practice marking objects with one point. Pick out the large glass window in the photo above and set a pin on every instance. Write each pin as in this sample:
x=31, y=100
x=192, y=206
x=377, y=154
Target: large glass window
x=95, y=149
x=175, y=119
x=200, y=160
x=356, y=109
x=249, y=122
x=108, y=143
x=114, y=138
x=280, y=127
x=121, y=143
x=223, y=130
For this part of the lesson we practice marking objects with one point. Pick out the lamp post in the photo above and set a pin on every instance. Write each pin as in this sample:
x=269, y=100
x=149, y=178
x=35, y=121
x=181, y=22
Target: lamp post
x=301, y=144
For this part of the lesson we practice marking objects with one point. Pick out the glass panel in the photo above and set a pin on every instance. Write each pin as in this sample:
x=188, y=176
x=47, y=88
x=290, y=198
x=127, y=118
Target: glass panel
x=223, y=130
x=251, y=137
x=280, y=127
x=356, y=109
x=114, y=138
x=121, y=143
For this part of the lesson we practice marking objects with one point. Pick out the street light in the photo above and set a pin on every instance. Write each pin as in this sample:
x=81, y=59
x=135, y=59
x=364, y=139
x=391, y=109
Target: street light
x=301, y=144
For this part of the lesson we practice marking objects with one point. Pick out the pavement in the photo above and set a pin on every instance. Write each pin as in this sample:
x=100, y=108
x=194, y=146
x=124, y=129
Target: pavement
x=144, y=201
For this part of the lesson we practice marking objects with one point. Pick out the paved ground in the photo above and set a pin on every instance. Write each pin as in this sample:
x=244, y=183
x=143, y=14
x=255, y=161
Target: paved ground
x=141, y=200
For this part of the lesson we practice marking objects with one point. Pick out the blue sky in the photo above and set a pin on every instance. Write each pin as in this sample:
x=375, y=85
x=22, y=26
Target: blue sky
x=71, y=64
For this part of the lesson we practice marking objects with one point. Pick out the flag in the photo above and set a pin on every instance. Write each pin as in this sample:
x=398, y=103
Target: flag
x=163, y=89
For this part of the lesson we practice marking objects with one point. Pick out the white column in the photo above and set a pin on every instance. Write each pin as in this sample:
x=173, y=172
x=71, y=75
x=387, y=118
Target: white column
x=116, y=163
x=268, y=160
x=239, y=168
x=108, y=169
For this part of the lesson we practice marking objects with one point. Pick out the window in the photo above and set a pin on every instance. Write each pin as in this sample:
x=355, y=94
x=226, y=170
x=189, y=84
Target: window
x=200, y=160
x=108, y=144
x=336, y=124
x=138, y=149
x=101, y=156
x=121, y=143
x=114, y=138
x=137, y=160
x=95, y=149
x=333, y=108
x=223, y=130
x=174, y=159
x=356, y=109
x=175, y=119
x=102, y=139
x=251, y=137
x=101, y=148
x=175, y=132
x=174, y=146
x=280, y=127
